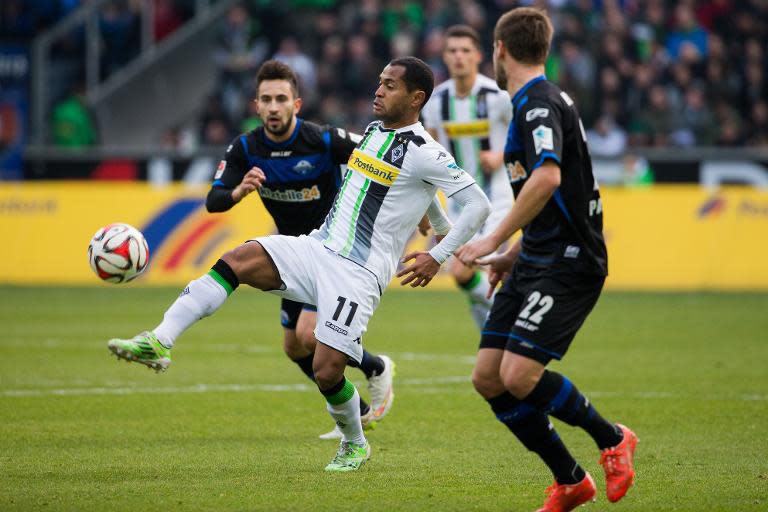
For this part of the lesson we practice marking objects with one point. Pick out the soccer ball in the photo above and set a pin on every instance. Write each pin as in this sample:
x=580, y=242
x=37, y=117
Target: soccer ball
x=118, y=253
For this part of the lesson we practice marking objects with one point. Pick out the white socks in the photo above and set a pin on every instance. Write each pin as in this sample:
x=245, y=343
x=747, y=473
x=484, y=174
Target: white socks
x=199, y=299
x=476, y=289
x=347, y=413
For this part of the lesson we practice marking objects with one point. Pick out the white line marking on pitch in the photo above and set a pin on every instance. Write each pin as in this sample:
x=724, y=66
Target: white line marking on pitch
x=423, y=385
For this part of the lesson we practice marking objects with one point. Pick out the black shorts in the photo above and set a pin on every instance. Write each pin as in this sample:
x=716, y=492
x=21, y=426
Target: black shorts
x=538, y=317
x=290, y=311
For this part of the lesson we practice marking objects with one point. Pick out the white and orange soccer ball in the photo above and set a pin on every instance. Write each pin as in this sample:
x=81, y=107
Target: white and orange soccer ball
x=118, y=253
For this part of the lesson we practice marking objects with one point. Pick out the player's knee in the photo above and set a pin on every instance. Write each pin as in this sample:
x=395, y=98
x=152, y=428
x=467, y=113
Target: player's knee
x=487, y=384
x=520, y=385
x=253, y=266
x=327, y=376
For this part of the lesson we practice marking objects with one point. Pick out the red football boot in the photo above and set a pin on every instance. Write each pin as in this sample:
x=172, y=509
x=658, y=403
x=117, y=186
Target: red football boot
x=562, y=498
x=617, y=462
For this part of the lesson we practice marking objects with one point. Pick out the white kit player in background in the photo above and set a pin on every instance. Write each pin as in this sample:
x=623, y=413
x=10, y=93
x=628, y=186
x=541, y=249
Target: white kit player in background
x=343, y=267
x=470, y=115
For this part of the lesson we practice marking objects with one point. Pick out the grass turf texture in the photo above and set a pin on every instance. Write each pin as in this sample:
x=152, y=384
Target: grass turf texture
x=233, y=425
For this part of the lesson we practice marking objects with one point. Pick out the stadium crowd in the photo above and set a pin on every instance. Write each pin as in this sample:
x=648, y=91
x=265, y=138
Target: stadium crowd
x=643, y=72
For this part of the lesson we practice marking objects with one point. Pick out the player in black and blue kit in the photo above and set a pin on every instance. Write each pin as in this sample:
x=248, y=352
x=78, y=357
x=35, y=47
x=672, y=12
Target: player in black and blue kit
x=295, y=166
x=556, y=271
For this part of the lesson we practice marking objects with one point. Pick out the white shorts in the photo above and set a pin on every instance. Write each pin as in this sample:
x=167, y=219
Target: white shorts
x=345, y=293
x=499, y=193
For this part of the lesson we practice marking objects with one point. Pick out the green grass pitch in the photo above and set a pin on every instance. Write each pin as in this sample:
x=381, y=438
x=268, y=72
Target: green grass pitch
x=233, y=424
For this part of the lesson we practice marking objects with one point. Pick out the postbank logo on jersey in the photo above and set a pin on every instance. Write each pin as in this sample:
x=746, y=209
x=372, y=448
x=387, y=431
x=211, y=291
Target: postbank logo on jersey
x=373, y=168
x=516, y=172
x=479, y=128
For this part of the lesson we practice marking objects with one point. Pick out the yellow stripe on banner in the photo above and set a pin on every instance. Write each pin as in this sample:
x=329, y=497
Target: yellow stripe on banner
x=373, y=168
x=479, y=128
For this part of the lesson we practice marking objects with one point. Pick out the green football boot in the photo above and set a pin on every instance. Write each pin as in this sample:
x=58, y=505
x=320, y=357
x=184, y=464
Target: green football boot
x=350, y=457
x=143, y=348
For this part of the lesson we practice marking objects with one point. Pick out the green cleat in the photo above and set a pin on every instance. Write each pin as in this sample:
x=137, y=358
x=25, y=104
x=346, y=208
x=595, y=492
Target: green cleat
x=350, y=457
x=143, y=348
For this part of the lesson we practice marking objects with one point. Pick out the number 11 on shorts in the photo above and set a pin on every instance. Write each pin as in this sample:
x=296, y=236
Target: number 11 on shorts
x=352, y=310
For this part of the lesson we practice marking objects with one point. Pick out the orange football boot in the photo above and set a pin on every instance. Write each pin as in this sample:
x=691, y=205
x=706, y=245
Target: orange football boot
x=617, y=462
x=562, y=497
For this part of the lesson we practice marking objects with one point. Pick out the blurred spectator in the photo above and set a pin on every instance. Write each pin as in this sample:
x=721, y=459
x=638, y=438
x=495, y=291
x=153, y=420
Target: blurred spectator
x=120, y=29
x=606, y=138
x=698, y=118
x=71, y=123
x=687, y=36
x=238, y=53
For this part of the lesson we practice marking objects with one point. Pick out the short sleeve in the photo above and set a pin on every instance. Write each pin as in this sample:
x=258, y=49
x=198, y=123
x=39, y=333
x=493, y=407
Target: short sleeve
x=233, y=167
x=437, y=167
x=540, y=128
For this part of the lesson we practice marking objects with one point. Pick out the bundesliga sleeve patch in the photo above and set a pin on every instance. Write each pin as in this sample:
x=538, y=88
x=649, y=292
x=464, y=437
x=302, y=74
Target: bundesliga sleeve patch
x=220, y=169
x=542, y=139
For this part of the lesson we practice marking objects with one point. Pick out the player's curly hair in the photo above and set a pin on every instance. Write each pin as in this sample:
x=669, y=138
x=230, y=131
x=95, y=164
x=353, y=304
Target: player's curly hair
x=526, y=33
x=418, y=76
x=276, y=70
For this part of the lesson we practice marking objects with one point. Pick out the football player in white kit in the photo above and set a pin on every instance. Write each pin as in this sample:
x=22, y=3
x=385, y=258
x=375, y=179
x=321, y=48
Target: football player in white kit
x=344, y=266
x=470, y=115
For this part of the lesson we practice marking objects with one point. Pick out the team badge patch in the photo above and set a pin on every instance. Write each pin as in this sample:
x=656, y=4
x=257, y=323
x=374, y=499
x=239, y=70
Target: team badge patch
x=516, y=172
x=303, y=167
x=220, y=169
x=397, y=153
x=542, y=138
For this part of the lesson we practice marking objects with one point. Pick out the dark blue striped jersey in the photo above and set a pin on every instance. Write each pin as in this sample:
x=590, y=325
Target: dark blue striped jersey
x=567, y=235
x=303, y=173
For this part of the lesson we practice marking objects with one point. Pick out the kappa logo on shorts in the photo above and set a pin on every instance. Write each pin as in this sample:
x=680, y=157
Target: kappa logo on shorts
x=336, y=328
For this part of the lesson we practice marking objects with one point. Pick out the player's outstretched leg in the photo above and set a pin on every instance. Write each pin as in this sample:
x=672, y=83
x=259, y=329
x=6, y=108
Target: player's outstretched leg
x=343, y=405
x=201, y=298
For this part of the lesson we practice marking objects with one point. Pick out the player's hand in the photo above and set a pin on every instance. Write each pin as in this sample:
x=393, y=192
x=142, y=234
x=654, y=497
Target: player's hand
x=490, y=161
x=469, y=253
x=499, y=266
x=424, y=226
x=252, y=180
x=421, y=271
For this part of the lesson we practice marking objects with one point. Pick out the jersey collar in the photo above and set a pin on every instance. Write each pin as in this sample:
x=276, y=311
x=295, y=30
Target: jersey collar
x=417, y=124
x=519, y=94
x=269, y=142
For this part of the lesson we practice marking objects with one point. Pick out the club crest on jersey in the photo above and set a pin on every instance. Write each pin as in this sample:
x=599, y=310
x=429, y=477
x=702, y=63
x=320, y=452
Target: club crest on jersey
x=542, y=138
x=303, y=167
x=397, y=153
x=516, y=172
x=220, y=169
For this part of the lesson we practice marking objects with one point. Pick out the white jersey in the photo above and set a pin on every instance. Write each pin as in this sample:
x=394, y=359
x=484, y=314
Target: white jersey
x=470, y=124
x=391, y=179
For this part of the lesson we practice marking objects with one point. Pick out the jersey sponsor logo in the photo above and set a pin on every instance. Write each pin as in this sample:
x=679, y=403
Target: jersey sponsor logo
x=291, y=195
x=542, y=138
x=373, y=168
x=280, y=154
x=397, y=153
x=220, y=169
x=516, y=172
x=303, y=167
x=479, y=128
x=536, y=112
x=336, y=328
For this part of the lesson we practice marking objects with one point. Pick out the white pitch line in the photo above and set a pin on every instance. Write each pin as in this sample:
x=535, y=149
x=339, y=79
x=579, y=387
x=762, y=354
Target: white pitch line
x=424, y=385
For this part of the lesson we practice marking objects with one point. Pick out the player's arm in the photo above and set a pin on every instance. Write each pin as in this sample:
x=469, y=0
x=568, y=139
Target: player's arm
x=501, y=115
x=441, y=170
x=541, y=130
x=529, y=202
x=342, y=144
x=233, y=180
